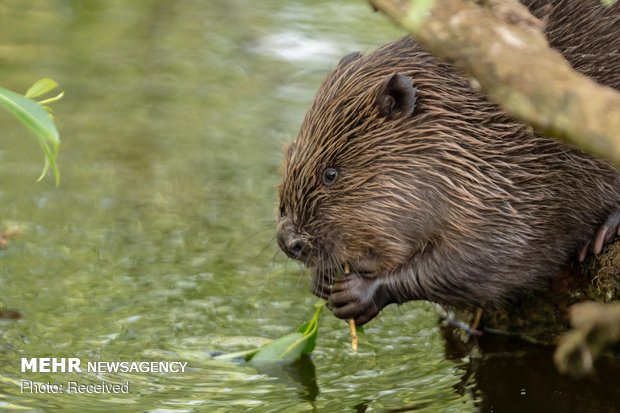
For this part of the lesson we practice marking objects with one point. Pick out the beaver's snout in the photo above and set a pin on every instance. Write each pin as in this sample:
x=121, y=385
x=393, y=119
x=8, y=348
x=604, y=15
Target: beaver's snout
x=291, y=242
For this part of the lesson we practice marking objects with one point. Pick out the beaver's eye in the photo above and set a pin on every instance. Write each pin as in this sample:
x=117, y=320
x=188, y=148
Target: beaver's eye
x=329, y=176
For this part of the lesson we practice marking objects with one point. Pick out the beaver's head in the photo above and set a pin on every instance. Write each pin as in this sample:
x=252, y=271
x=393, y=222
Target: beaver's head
x=384, y=168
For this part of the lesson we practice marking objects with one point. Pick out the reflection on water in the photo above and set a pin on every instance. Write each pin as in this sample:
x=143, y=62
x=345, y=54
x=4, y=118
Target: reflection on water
x=158, y=245
x=516, y=377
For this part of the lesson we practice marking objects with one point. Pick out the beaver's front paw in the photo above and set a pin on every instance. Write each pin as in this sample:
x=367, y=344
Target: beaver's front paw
x=359, y=297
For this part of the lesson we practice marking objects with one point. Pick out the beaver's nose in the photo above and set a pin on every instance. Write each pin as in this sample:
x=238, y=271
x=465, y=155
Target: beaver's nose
x=296, y=248
x=291, y=244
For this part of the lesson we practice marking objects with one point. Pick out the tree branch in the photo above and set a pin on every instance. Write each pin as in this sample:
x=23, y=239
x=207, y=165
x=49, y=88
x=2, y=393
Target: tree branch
x=501, y=45
x=596, y=328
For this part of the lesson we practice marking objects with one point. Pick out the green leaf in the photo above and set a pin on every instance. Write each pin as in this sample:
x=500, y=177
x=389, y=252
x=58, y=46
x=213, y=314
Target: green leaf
x=41, y=87
x=286, y=349
x=33, y=116
x=52, y=99
x=36, y=119
x=310, y=330
x=310, y=334
x=246, y=355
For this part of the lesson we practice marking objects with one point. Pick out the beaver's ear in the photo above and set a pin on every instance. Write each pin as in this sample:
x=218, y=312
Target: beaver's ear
x=349, y=58
x=396, y=97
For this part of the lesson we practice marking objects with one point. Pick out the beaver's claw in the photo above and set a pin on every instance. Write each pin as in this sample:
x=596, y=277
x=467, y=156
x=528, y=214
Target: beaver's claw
x=606, y=232
x=358, y=297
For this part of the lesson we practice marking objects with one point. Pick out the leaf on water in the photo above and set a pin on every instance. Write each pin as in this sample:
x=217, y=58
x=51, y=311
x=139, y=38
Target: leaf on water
x=311, y=339
x=285, y=350
x=41, y=87
x=310, y=330
x=246, y=355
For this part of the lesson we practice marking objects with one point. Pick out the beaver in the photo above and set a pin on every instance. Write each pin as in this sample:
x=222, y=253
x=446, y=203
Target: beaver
x=426, y=190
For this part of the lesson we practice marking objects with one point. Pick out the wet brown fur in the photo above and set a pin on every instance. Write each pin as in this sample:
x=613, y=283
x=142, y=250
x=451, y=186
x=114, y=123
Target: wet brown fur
x=458, y=203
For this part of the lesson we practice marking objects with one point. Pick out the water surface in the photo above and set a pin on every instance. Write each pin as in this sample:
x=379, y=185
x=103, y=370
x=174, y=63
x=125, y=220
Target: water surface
x=159, y=242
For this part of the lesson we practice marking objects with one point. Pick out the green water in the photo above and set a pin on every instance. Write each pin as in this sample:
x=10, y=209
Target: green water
x=159, y=243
